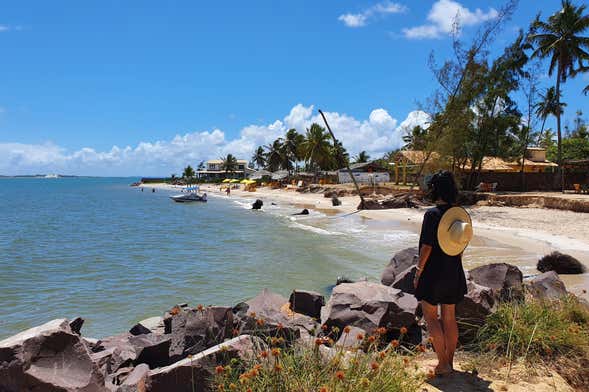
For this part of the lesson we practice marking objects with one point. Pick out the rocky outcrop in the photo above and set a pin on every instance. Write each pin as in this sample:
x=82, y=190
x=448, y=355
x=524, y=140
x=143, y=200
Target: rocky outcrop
x=195, y=373
x=506, y=280
x=369, y=306
x=561, y=264
x=399, y=263
x=128, y=350
x=404, y=280
x=335, y=201
x=307, y=302
x=471, y=312
x=257, y=204
x=547, y=286
x=50, y=357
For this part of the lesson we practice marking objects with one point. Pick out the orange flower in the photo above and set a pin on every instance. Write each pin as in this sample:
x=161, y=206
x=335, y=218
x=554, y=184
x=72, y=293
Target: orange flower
x=318, y=342
x=324, y=327
x=347, y=329
x=371, y=339
x=264, y=354
x=552, y=337
x=274, y=341
x=405, y=360
x=175, y=310
x=323, y=389
x=200, y=308
x=221, y=387
x=248, y=390
x=382, y=354
x=491, y=346
x=254, y=372
x=232, y=386
x=330, y=341
x=431, y=374
x=360, y=337
x=431, y=339
x=253, y=314
x=260, y=322
x=381, y=331
x=420, y=348
x=219, y=369
x=395, y=343
x=374, y=366
x=235, y=332
x=280, y=327
x=275, y=352
x=257, y=366
x=277, y=367
x=403, y=330
x=340, y=375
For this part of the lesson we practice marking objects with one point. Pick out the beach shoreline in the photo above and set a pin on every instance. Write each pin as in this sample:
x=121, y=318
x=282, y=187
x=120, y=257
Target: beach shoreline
x=529, y=232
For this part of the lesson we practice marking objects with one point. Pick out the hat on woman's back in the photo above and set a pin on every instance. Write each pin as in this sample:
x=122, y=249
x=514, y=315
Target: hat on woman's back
x=454, y=231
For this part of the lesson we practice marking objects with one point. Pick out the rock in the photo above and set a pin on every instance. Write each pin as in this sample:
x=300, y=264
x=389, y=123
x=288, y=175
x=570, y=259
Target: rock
x=194, y=330
x=399, y=263
x=343, y=279
x=369, y=306
x=547, y=286
x=195, y=373
x=561, y=264
x=257, y=204
x=114, y=380
x=404, y=280
x=50, y=357
x=349, y=340
x=104, y=360
x=506, y=280
x=303, y=212
x=76, y=325
x=335, y=201
x=130, y=350
x=137, y=380
x=139, y=329
x=472, y=311
x=154, y=324
x=307, y=302
x=370, y=204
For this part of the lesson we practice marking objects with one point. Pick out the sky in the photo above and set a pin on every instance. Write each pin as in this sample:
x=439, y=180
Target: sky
x=143, y=88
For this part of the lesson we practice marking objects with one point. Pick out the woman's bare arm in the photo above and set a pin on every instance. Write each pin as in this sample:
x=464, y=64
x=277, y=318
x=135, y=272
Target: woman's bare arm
x=424, y=253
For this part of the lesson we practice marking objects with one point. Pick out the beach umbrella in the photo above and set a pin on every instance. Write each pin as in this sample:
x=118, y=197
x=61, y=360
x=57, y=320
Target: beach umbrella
x=244, y=181
x=227, y=180
x=234, y=181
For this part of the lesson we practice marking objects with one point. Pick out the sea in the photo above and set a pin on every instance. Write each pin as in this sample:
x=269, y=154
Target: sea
x=113, y=254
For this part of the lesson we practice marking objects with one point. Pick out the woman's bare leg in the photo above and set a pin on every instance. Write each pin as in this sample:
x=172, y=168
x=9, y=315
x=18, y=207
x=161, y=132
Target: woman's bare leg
x=450, y=331
x=434, y=327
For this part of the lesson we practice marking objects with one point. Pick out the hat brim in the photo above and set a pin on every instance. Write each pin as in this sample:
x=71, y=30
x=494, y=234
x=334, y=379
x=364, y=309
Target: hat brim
x=448, y=246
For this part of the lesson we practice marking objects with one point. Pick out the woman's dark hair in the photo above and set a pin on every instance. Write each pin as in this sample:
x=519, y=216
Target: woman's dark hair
x=442, y=186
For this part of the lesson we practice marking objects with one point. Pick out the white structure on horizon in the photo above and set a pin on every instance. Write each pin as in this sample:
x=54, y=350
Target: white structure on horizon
x=214, y=169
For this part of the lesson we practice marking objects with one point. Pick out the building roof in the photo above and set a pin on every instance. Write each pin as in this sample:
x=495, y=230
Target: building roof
x=416, y=157
x=219, y=161
x=362, y=165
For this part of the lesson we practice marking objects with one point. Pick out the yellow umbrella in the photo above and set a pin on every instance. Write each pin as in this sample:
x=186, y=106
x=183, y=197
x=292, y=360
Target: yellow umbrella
x=234, y=181
x=244, y=181
x=250, y=182
x=227, y=180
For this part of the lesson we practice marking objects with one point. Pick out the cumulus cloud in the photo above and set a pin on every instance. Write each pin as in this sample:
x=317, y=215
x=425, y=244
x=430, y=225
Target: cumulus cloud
x=442, y=16
x=377, y=134
x=362, y=18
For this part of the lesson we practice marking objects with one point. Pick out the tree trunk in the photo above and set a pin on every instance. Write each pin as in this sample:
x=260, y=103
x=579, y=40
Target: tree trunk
x=558, y=132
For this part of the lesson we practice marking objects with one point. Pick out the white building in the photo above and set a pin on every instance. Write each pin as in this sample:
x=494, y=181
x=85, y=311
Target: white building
x=214, y=169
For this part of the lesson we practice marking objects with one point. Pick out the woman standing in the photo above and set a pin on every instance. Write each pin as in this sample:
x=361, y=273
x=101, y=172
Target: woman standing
x=439, y=280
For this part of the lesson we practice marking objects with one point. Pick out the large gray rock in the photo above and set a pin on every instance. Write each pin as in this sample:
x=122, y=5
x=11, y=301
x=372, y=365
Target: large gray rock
x=307, y=302
x=561, y=264
x=399, y=263
x=404, y=280
x=471, y=312
x=153, y=324
x=547, y=286
x=195, y=374
x=369, y=306
x=48, y=358
x=506, y=280
x=136, y=381
x=128, y=350
x=194, y=330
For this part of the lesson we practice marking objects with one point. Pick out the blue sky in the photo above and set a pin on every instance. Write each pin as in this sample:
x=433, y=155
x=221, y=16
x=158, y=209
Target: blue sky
x=145, y=87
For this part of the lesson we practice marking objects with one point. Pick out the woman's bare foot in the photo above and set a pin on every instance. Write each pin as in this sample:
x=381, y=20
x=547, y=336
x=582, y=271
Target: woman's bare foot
x=443, y=370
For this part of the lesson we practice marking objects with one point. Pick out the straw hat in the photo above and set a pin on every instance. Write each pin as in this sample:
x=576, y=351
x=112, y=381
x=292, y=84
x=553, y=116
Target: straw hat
x=454, y=231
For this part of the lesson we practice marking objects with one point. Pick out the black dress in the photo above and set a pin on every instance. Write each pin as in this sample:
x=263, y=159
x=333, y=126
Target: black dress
x=442, y=279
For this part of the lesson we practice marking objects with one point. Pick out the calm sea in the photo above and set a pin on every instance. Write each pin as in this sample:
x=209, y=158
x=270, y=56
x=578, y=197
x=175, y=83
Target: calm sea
x=97, y=248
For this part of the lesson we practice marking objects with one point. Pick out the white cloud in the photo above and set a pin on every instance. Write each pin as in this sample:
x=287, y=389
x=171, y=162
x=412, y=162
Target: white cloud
x=4, y=28
x=376, y=134
x=442, y=16
x=361, y=19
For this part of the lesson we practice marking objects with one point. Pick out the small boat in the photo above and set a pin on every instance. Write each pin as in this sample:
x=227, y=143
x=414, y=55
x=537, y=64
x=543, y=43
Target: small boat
x=189, y=195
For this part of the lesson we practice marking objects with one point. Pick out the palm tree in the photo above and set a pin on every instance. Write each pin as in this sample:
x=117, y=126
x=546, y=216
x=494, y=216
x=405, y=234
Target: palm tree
x=548, y=105
x=340, y=156
x=316, y=148
x=559, y=38
x=229, y=163
x=259, y=157
x=362, y=157
x=274, y=157
x=188, y=174
x=292, y=147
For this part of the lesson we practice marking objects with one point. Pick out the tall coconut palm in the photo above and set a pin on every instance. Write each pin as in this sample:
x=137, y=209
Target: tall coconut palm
x=229, y=163
x=548, y=105
x=274, y=157
x=362, y=157
x=259, y=157
x=292, y=147
x=559, y=38
x=317, y=148
x=188, y=174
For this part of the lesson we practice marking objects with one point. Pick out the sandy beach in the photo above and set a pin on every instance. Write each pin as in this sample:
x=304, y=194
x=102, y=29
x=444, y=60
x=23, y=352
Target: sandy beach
x=502, y=234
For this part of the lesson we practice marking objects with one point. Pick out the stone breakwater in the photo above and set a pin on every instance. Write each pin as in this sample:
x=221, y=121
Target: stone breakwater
x=179, y=350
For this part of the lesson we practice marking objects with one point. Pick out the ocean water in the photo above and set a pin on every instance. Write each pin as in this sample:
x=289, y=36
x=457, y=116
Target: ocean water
x=99, y=249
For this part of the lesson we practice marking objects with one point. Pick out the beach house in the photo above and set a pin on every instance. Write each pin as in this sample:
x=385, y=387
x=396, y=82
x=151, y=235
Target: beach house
x=214, y=170
x=366, y=172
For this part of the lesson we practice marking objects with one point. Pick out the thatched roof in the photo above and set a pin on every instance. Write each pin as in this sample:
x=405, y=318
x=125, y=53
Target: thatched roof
x=416, y=157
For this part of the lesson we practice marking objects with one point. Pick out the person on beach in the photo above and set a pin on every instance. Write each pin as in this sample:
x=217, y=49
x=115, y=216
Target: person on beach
x=439, y=280
x=228, y=191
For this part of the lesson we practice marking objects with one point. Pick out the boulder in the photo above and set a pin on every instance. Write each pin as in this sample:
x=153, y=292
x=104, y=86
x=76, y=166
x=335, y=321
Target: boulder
x=137, y=380
x=139, y=329
x=307, y=302
x=194, y=374
x=547, y=286
x=129, y=350
x=506, y=280
x=335, y=201
x=399, y=263
x=76, y=325
x=561, y=264
x=50, y=357
x=478, y=303
x=194, y=330
x=303, y=212
x=154, y=324
x=257, y=204
x=369, y=306
x=343, y=279
x=404, y=280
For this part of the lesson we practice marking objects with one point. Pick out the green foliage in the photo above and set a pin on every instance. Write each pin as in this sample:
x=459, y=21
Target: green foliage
x=229, y=163
x=362, y=157
x=537, y=328
x=188, y=173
